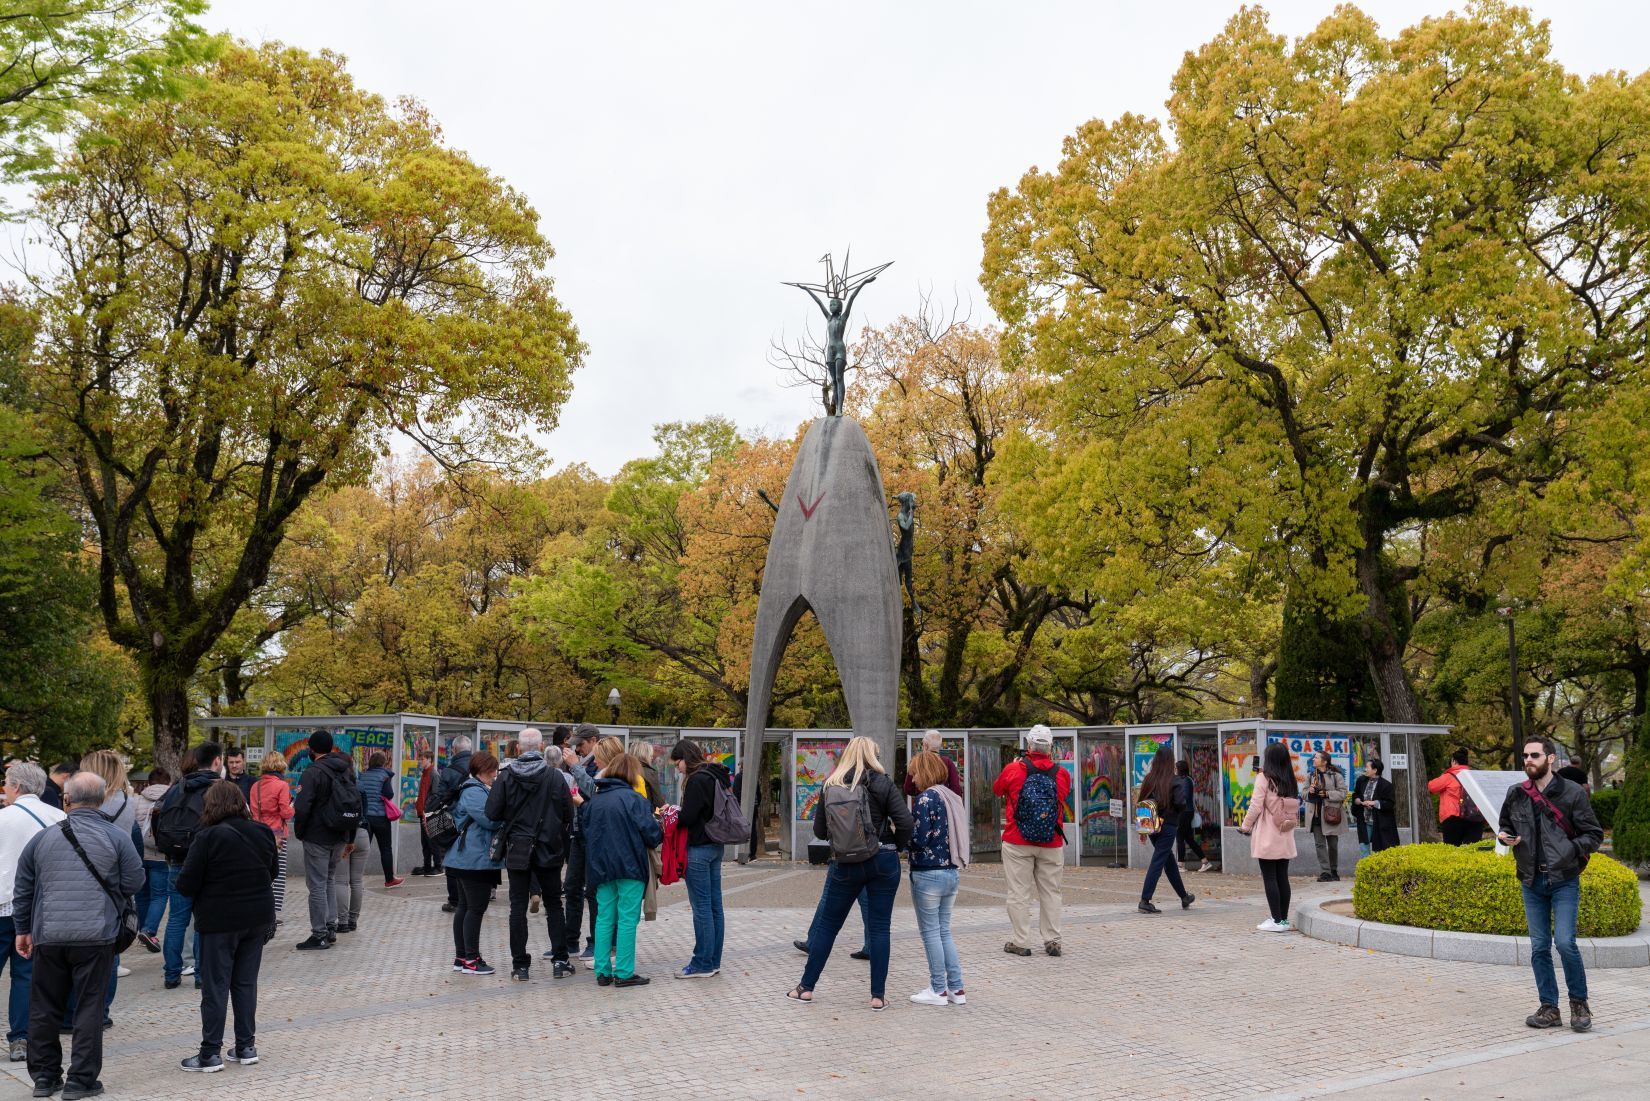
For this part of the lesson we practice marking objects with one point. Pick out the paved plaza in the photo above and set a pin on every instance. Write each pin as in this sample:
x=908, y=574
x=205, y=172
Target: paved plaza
x=1180, y=1005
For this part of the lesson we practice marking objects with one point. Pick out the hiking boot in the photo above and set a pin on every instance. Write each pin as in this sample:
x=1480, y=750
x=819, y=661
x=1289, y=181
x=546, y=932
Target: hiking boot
x=1052, y=947
x=1545, y=1017
x=1581, y=1018
x=1015, y=950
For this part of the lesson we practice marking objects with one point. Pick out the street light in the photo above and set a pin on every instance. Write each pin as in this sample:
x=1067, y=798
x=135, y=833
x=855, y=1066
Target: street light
x=613, y=705
x=1515, y=703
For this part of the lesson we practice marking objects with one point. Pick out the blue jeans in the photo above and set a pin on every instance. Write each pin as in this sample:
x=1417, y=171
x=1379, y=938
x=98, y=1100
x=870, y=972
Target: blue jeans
x=1550, y=912
x=933, y=890
x=863, y=921
x=704, y=885
x=151, y=900
x=878, y=877
x=177, y=923
x=22, y=971
x=1163, y=862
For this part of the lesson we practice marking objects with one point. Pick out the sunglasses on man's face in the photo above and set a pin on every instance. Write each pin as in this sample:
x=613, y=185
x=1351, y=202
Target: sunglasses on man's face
x=1534, y=756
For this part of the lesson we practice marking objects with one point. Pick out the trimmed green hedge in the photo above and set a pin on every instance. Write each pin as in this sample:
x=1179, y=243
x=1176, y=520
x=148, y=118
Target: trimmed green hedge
x=1605, y=801
x=1471, y=890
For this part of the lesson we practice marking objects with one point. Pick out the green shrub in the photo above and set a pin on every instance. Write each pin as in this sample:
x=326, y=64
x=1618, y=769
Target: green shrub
x=1630, y=837
x=1605, y=801
x=1471, y=890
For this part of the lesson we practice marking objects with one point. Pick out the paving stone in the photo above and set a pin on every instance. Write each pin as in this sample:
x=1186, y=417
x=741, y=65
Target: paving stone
x=1399, y=939
x=1473, y=948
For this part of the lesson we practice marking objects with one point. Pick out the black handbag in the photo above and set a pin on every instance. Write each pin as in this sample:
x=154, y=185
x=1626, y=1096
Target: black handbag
x=126, y=930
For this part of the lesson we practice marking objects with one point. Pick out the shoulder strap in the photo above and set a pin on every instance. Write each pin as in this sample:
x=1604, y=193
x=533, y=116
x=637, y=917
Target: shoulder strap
x=119, y=899
x=1540, y=799
x=31, y=814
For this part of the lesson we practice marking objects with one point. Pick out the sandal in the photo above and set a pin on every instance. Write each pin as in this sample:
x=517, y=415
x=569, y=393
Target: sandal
x=878, y=1004
x=796, y=995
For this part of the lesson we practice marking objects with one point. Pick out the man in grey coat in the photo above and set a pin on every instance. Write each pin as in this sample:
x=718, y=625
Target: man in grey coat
x=66, y=923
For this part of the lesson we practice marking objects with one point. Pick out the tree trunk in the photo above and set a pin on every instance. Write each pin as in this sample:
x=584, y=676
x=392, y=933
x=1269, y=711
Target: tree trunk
x=168, y=692
x=1385, y=650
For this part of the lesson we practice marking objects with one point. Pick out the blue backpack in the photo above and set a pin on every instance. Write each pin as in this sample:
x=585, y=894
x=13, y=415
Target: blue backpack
x=1037, y=808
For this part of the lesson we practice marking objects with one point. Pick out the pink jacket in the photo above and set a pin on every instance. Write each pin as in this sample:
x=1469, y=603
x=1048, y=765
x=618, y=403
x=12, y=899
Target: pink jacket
x=1267, y=839
x=271, y=802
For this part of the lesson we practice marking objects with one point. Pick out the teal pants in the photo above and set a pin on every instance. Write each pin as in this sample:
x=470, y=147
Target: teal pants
x=618, y=909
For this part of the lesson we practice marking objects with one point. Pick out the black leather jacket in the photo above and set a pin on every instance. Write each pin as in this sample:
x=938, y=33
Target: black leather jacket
x=1544, y=846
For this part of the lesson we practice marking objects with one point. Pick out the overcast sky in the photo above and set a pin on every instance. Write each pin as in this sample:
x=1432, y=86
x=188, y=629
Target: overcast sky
x=686, y=157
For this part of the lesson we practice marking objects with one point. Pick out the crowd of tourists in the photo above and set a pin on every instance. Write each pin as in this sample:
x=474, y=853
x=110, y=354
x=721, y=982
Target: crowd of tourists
x=579, y=831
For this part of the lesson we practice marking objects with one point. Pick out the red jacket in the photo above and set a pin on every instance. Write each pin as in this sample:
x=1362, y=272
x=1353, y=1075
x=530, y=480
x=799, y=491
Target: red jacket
x=1448, y=789
x=424, y=783
x=1007, y=788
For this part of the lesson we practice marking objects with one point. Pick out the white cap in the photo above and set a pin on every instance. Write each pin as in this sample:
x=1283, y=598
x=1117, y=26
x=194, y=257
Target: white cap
x=1039, y=737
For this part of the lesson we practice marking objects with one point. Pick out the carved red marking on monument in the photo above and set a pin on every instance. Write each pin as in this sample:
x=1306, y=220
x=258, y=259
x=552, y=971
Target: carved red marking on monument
x=808, y=510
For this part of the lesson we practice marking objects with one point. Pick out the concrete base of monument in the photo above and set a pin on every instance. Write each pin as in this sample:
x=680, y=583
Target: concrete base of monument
x=1332, y=920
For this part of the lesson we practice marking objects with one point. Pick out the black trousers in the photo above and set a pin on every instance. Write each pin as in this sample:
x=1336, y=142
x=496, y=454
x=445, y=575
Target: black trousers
x=228, y=968
x=426, y=849
x=580, y=895
x=543, y=880
x=474, y=892
x=452, y=888
x=1274, y=874
x=1186, y=838
x=1459, y=831
x=59, y=970
x=380, y=829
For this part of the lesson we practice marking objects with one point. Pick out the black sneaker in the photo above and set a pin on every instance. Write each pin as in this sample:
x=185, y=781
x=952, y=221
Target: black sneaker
x=149, y=941
x=800, y=946
x=519, y=974
x=562, y=968
x=1325, y=877
x=478, y=966
x=173, y=984
x=634, y=980
x=1187, y=901
x=448, y=908
x=72, y=1092
x=604, y=980
x=859, y=954
x=45, y=1087
x=1147, y=908
x=1581, y=1018
x=203, y=1064
x=1545, y=1017
x=313, y=943
x=245, y=1056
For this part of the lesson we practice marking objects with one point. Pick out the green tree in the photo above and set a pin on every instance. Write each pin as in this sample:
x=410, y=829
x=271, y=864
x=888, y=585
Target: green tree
x=62, y=58
x=254, y=286
x=1630, y=834
x=1369, y=282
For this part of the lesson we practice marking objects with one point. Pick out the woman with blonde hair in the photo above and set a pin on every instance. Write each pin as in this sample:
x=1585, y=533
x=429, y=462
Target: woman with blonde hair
x=271, y=804
x=862, y=814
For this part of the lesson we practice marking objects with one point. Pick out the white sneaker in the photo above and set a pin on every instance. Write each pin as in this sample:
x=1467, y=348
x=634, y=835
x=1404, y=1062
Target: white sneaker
x=122, y=971
x=928, y=997
x=190, y=970
x=1268, y=926
x=1206, y=867
x=958, y=997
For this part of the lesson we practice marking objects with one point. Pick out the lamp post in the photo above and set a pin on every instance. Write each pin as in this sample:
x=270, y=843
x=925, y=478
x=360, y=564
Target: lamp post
x=613, y=705
x=1515, y=703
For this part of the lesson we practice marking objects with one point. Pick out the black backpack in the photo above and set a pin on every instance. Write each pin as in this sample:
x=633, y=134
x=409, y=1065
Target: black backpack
x=175, y=820
x=340, y=810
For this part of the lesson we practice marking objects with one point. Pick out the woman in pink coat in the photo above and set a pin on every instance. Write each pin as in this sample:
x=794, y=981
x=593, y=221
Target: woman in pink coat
x=1274, y=812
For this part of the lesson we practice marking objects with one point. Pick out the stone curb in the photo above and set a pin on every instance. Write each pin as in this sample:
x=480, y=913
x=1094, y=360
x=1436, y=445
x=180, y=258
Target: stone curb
x=1318, y=923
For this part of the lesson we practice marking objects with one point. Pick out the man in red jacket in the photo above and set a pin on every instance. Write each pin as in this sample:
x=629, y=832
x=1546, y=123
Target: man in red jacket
x=426, y=785
x=1033, y=839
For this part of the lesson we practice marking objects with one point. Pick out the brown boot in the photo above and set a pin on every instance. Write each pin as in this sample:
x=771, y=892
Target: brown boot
x=1581, y=1018
x=1545, y=1017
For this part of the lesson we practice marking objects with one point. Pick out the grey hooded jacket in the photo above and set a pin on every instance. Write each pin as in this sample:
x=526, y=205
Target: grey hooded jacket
x=56, y=900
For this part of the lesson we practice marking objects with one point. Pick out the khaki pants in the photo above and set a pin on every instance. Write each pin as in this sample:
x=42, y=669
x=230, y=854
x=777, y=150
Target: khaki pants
x=650, y=897
x=1031, y=868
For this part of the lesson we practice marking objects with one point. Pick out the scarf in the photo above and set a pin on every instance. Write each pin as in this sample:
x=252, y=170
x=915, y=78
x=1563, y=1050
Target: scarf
x=957, y=815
